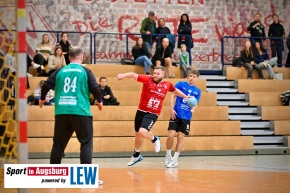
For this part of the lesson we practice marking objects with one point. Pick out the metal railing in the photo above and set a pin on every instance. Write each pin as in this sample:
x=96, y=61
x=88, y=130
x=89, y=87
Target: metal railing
x=112, y=47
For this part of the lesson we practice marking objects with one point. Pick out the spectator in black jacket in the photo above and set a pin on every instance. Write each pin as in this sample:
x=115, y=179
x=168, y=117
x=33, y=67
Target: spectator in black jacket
x=162, y=56
x=107, y=94
x=276, y=30
x=288, y=57
x=184, y=34
x=247, y=56
x=141, y=55
x=161, y=29
x=257, y=29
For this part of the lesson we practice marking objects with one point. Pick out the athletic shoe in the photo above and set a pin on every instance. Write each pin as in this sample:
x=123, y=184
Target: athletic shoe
x=172, y=164
x=157, y=145
x=135, y=160
x=167, y=159
x=29, y=75
x=36, y=65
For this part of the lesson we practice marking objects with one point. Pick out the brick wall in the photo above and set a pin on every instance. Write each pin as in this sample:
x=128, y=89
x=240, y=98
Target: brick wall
x=211, y=19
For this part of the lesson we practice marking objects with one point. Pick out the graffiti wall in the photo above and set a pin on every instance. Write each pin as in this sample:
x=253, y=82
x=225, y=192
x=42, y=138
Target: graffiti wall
x=211, y=20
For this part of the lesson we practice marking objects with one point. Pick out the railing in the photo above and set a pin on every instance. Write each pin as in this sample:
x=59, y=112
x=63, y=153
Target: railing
x=99, y=47
x=232, y=46
x=112, y=47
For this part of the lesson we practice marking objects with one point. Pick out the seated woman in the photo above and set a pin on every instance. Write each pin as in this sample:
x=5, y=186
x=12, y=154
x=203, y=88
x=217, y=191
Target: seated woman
x=141, y=55
x=10, y=60
x=65, y=46
x=247, y=57
x=37, y=94
x=55, y=61
x=262, y=59
x=43, y=52
x=162, y=56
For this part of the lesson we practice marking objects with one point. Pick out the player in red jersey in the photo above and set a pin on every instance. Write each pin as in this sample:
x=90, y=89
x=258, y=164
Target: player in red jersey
x=153, y=93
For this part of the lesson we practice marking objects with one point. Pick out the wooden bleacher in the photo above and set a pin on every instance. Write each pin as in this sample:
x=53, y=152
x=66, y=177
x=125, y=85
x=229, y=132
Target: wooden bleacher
x=126, y=128
x=264, y=98
x=281, y=127
x=132, y=98
x=111, y=70
x=274, y=112
x=236, y=73
x=257, y=85
x=210, y=127
x=120, y=85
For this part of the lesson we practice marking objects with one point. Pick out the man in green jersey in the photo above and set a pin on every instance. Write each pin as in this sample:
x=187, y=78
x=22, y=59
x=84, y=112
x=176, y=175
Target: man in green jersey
x=73, y=85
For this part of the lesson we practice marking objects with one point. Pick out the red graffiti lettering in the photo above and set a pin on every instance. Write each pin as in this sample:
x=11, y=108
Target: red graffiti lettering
x=140, y=1
x=234, y=30
x=127, y=18
x=79, y=25
x=182, y=2
x=103, y=23
x=200, y=40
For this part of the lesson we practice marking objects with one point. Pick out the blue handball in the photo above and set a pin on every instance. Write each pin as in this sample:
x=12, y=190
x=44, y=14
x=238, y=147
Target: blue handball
x=192, y=102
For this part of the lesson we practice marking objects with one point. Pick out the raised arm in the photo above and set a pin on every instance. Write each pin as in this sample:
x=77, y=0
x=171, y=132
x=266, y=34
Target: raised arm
x=127, y=75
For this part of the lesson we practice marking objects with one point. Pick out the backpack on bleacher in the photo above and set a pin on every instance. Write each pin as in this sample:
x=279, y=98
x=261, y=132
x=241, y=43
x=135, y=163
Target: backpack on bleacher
x=127, y=61
x=285, y=97
x=237, y=61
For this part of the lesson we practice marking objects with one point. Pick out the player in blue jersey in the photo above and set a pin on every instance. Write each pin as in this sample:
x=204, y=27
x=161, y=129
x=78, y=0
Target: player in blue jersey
x=180, y=116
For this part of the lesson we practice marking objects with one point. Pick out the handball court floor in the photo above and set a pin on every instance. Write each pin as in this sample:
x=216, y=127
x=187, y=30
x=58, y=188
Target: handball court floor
x=251, y=173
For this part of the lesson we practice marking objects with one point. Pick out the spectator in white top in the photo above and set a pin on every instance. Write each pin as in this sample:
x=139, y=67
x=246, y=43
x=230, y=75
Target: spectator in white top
x=43, y=52
x=56, y=61
x=10, y=60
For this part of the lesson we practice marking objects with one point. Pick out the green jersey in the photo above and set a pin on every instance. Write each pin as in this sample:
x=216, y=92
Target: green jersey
x=72, y=95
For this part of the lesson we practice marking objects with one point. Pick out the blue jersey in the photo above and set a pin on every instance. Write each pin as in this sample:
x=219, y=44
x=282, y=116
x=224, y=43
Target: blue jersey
x=181, y=108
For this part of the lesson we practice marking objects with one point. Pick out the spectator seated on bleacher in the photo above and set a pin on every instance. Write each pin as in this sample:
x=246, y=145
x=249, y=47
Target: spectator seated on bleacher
x=262, y=59
x=37, y=94
x=107, y=94
x=247, y=58
x=141, y=55
x=56, y=61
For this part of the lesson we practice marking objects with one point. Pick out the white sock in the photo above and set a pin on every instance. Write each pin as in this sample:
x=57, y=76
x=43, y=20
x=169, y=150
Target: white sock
x=137, y=149
x=175, y=157
x=168, y=152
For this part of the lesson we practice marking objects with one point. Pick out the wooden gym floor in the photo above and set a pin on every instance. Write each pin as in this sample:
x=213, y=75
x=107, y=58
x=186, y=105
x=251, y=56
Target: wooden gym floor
x=255, y=173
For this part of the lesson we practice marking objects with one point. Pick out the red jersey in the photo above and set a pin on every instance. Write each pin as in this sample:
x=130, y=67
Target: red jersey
x=153, y=94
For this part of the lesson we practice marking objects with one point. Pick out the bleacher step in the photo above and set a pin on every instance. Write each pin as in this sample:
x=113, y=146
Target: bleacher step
x=270, y=147
x=231, y=97
x=232, y=103
x=257, y=132
x=243, y=110
x=212, y=77
x=255, y=125
x=244, y=117
x=222, y=90
x=220, y=83
x=268, y=139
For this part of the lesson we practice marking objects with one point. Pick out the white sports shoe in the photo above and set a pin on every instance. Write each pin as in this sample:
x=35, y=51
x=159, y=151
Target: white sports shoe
x=172, y=164
x=36, y=65
x=157, y=145
x=167, y=159
x=135, y=160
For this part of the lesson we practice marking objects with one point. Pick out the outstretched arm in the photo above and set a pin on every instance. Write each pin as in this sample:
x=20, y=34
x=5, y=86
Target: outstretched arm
x=179, y=93
x=127, y=75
